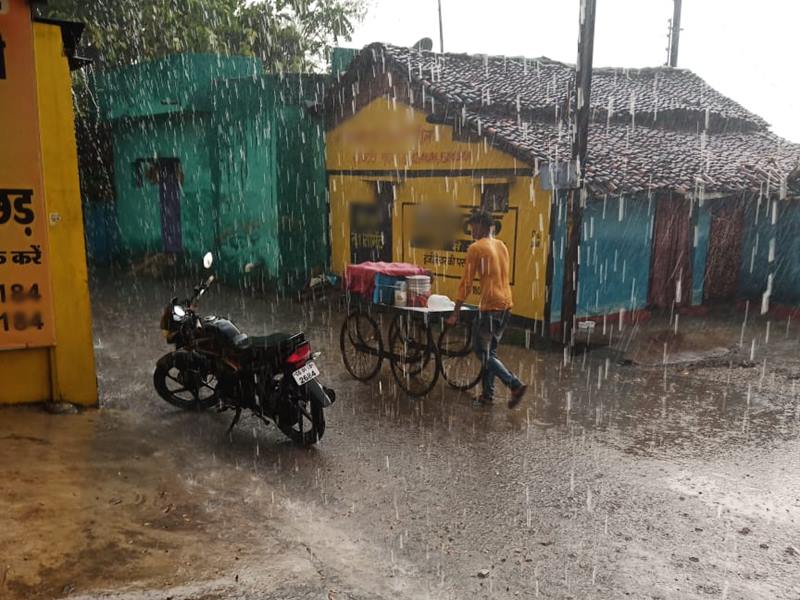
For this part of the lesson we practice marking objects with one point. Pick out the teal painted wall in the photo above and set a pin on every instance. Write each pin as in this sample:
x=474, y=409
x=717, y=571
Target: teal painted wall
x=172, y=84
x=302, y=196
x=252, y=157
x=701, y=226
x=272, y=193
x=616, y=242
x=101, y=233
x=247, y=193
x=764, y=221
x=341, y=59
x=185, y=137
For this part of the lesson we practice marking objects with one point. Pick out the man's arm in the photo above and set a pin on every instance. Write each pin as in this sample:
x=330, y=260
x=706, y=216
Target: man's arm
x=464, y=285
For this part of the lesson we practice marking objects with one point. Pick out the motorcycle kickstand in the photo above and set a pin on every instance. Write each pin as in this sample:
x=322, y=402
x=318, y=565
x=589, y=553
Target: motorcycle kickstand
x=235, y=420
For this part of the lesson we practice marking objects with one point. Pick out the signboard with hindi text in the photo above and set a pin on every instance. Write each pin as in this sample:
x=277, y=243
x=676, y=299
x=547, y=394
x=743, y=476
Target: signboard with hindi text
x=437, y=238
x=25, y=299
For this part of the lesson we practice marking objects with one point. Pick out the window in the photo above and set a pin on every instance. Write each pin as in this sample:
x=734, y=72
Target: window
x=144, y=169
x=495, y=197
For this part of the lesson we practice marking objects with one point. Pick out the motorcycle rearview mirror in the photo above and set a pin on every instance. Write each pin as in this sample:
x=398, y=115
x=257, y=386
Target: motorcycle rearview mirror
x=208, y=260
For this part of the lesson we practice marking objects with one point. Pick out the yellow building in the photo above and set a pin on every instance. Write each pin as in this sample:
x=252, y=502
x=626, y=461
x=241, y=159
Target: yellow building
x=667, y=221
x=46, y=348
x=402, y=181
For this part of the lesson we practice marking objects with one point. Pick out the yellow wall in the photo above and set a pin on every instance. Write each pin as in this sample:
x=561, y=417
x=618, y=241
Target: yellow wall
x=390, y=141
x=65, y=371
x=74, y=353
x=387, y=134
x=26, y=319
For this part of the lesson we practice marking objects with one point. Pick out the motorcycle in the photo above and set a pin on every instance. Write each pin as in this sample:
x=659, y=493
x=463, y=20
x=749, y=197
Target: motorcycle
x=215, y=364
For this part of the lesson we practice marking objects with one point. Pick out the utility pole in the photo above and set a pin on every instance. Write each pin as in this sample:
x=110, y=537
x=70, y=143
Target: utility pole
x=575, y=199
x=441, y=30
x=675, y=35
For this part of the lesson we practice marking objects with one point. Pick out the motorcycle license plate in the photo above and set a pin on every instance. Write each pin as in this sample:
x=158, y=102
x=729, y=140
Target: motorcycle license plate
x=306, y=373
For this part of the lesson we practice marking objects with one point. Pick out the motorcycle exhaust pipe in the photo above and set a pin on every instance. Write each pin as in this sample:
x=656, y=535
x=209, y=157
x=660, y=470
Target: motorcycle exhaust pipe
x=330, y=393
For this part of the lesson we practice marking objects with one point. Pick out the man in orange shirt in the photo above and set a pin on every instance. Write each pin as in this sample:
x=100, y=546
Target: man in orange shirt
x=487, y=258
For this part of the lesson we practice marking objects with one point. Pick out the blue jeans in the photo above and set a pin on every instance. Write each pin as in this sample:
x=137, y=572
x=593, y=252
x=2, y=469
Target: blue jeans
x=486, y=333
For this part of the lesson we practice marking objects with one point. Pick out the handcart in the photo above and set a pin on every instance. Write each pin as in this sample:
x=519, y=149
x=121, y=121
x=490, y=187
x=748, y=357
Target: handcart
x=419, y=345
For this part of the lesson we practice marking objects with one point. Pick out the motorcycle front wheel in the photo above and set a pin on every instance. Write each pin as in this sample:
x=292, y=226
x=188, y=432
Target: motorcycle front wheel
x=301, y=418
x=186, y=389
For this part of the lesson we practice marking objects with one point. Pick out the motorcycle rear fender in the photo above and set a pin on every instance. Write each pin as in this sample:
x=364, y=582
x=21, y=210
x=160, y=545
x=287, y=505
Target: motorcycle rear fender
x=326, y=396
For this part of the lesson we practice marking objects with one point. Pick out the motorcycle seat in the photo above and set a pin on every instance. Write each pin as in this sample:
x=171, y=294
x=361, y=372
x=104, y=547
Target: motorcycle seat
x=273, y=340
x=241, y=341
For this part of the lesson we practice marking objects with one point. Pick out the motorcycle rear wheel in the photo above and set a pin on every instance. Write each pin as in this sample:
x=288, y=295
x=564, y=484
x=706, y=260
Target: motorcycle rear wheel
x=293, y=419
x=175, y=386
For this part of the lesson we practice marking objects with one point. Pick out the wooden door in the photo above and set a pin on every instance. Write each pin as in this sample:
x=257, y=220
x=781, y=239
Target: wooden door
x=671, y=266
x=724, y=251
x=169, y=192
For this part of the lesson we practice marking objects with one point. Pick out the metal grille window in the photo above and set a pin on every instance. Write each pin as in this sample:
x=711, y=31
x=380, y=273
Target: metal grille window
x=494, y=197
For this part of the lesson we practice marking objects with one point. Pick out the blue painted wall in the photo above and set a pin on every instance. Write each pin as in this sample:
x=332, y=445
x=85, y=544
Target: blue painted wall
x=762, y=222
x=701, y=221
x=101, y=232
x=616, y=244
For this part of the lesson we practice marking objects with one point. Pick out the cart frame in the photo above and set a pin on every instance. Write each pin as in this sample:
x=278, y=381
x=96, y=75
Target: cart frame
x=416, y=354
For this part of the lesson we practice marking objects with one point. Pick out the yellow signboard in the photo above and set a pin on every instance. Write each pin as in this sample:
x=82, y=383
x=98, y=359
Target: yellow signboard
x=388, y=135
x=438, y=240
x=26, y=314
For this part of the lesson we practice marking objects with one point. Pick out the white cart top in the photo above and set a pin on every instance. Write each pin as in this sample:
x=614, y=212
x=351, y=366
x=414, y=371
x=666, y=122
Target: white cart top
x=431, y=311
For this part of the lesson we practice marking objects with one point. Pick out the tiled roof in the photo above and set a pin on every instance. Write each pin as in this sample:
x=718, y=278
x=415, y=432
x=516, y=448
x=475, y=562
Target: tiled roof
x=540, y=83
x=625, y=159
x=653, y=139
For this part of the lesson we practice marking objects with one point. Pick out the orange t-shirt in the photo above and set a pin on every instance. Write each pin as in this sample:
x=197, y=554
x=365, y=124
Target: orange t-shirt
x=488, y=259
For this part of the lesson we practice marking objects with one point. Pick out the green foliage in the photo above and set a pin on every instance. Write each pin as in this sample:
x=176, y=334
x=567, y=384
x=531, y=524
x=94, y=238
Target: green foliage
x=284, y=34
x=287, y=35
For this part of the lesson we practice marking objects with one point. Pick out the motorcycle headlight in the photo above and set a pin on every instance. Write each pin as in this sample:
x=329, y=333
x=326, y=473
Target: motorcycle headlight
x=178, y=313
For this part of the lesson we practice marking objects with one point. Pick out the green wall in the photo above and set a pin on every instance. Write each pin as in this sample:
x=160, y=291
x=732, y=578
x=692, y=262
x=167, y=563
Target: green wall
x=247, y=183
x=182, y=136
x=252, y=157
x=301, y=195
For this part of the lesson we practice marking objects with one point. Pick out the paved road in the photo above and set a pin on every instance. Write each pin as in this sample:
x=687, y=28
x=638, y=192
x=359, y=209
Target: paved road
x=608, y=482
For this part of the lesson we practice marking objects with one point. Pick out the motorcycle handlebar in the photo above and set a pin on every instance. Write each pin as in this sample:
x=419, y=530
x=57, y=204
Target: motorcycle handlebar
x=200, y=290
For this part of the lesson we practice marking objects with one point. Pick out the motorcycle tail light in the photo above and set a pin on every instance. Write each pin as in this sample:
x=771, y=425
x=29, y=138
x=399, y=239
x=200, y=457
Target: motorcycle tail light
x=300, y=355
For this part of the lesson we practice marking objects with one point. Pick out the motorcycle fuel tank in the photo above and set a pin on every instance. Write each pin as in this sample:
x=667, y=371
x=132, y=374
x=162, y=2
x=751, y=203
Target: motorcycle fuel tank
x=226, y=332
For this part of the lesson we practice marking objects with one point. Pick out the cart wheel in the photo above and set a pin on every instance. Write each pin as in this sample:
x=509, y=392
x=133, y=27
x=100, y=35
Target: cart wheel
x=361, y=345
x=413, y=355
x=461, y=368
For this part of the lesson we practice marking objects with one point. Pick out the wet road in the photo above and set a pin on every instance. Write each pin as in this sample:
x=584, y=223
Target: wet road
x=608, y=482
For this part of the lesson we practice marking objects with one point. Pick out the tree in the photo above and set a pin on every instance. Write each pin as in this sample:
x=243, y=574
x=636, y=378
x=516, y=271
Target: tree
x=287, y=35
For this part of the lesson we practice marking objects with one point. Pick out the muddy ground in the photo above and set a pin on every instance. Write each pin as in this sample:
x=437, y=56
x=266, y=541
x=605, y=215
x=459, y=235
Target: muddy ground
x=612, y=480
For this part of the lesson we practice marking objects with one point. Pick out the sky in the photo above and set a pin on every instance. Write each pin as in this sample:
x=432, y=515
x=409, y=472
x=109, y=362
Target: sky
x=747, y=50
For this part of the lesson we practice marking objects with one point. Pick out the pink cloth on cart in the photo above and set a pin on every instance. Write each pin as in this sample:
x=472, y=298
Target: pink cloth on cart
x=360, y=278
